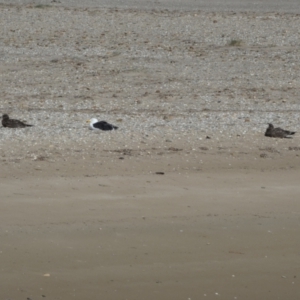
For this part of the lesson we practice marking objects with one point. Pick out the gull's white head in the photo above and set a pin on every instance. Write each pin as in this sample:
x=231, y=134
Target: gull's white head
x=92, y=121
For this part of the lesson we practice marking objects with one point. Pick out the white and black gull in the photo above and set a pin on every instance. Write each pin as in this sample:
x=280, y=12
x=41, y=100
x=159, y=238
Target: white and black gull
x=101, y=125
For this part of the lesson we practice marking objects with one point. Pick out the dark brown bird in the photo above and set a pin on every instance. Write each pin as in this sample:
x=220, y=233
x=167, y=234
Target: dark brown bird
x=278, y=132
x=12, y=123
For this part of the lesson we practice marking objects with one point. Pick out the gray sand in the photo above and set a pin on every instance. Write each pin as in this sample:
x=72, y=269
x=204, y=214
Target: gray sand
x=157, y=75
x=290, y=6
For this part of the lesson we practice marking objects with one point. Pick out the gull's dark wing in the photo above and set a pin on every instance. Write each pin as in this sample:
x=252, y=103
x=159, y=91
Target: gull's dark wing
x=103, y=125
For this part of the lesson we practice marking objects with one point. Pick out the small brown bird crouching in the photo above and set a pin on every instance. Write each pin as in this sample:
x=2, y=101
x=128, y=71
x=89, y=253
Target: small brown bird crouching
x=278, y=132
x=12, y=123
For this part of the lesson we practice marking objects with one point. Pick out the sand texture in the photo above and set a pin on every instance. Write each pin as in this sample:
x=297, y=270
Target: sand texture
x=187, y=199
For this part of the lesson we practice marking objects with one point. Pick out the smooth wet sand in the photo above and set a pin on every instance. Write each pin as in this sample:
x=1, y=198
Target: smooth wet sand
x=198, y=235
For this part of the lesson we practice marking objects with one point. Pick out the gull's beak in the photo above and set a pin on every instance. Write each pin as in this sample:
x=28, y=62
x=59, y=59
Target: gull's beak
x=88, y=121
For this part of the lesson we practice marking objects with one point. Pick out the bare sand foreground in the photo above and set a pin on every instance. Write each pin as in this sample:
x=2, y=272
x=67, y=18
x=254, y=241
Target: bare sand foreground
x=188, y=199
x=188, y=235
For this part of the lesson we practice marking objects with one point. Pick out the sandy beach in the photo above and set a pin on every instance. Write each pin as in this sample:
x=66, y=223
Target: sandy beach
x=187, y=199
